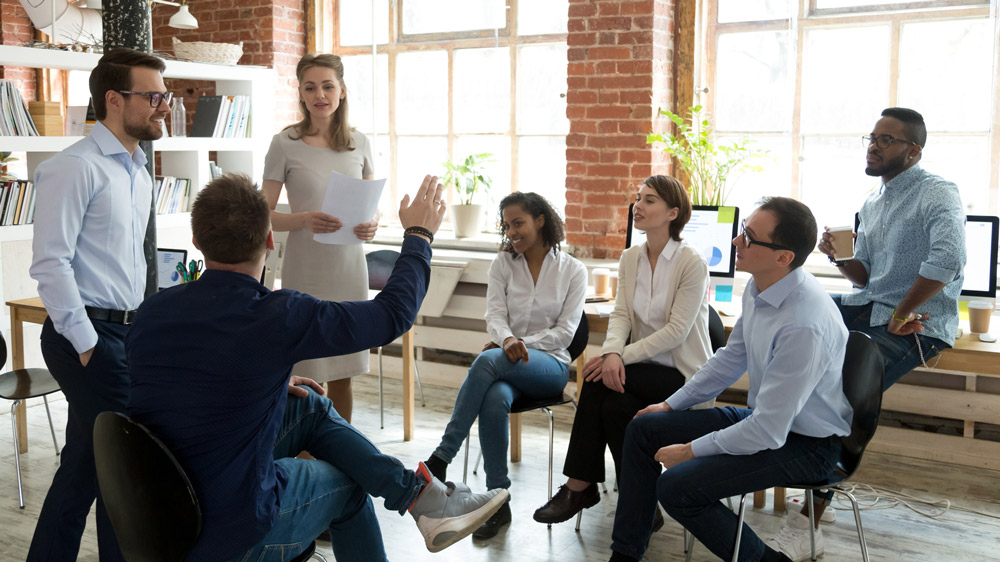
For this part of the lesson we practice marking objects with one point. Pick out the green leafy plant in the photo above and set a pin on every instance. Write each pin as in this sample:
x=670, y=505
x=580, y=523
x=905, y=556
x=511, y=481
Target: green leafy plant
x=709, y=165
x=468, y=178
x=6, y=158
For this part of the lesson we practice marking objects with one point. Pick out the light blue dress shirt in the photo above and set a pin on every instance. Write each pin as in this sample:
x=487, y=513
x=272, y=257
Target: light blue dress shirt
x=913, y=226
x=91, y=211
x=790, y=340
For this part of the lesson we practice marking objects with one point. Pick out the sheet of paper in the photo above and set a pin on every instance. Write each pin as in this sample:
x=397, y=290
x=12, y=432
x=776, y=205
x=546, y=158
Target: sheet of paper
x=351, y=200
x=605, y=310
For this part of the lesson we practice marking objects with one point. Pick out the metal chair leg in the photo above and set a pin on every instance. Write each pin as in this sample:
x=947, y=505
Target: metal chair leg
x=52, y=428
x=465, y=470
x=381, y=403
x=420, y=387
x=739, y=527
x=579, y=517
x=603, y=487
x=688, y=545
x=857, y=520
x=812, y=526
x=17, y=453
x=475, y=469
x=551, y=447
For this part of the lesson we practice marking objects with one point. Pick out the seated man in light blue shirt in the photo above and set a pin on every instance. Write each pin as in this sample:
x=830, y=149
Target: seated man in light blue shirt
x=791, y=342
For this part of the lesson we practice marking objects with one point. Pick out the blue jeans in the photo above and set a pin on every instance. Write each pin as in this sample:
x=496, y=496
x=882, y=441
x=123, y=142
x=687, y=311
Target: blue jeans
x=102, y=385
x=691, y=491
x=492, y=385
x=331, y=492
x=899, y=353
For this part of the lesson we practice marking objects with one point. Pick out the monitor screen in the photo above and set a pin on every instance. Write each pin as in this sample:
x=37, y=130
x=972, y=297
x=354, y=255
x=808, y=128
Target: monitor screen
x=980, y=256
x=711, y=230
x=167, y=261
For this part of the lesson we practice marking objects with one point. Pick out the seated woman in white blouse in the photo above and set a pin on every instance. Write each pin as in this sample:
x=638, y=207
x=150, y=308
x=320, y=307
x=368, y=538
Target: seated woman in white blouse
x=663, y=306
x=534, y=302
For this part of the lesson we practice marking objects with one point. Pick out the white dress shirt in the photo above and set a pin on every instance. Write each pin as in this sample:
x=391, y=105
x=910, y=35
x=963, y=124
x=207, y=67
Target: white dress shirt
x=544, y=315
x=91, y=213
x=650, y=312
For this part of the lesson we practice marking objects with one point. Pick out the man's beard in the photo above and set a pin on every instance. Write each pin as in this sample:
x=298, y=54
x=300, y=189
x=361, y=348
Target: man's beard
x=144, y=132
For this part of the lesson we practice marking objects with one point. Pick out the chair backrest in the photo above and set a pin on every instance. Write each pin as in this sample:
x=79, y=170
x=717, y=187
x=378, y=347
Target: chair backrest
x=716, y=331
x=3, y=351
x=863, y=388
x=380, y=264
x=149, y=499
x=580, y=338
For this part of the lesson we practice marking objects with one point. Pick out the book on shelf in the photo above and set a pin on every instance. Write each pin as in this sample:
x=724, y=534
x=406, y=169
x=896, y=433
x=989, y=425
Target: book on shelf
x=214, y=171
x=14, y=117
x=221, y=117
x=17, y=202
x=173, y=195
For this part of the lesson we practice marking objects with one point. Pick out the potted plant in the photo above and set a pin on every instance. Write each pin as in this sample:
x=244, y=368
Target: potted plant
x=468, y=178
x=6, y=158
x=709, y=165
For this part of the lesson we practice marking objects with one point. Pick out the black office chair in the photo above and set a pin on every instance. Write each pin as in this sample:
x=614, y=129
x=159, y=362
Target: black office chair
x=19, y=385
x=153, y=508
x=380, y=264
x=526, y=404
x=716, y=331
x=863, y=388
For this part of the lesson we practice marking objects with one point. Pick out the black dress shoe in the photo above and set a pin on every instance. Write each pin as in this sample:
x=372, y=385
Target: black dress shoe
x=567, y=503
x=493, y=525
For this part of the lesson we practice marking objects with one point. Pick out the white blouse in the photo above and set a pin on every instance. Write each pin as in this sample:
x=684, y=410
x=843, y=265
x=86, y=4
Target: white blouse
x=546, y=314
x=651, y=312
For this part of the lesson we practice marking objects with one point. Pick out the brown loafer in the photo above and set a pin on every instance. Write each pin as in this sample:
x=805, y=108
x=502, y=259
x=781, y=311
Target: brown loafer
x=567, y=503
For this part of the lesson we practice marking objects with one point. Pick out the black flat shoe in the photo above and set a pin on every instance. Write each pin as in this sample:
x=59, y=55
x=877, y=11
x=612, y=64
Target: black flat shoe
x=567, y=503
x=493, y=525
x=437, y=467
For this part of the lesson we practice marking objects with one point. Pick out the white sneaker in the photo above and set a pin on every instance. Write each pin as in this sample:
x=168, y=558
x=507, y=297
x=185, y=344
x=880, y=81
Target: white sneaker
x=796, y=504
x=793, y=539
x=447, y=513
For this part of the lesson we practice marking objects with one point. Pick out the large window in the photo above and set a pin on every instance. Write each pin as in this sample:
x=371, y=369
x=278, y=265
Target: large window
x=457, y=77
x=806, y=79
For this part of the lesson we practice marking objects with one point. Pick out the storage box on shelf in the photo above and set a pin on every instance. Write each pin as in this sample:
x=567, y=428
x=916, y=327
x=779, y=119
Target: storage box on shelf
x=179, y=157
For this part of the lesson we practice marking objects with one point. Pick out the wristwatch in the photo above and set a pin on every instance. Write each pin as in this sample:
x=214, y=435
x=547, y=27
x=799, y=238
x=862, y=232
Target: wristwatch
x=837, y=263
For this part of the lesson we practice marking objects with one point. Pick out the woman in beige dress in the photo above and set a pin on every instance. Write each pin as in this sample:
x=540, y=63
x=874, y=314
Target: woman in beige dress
x=301, y=158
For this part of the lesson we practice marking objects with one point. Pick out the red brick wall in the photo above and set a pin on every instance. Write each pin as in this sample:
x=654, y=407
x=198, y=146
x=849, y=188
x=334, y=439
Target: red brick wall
x=15, y=28
x=272, y=32
x=620, y=71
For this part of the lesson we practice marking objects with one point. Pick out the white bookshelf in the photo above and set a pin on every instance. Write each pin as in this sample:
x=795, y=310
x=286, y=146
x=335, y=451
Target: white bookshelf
x=186, y=157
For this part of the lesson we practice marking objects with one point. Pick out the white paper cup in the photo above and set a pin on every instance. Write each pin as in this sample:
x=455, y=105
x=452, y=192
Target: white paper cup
x=843, y=242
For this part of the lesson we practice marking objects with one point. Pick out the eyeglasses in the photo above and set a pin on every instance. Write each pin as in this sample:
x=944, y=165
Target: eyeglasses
x=882, y=141
x=154, y=97
x=747, y=241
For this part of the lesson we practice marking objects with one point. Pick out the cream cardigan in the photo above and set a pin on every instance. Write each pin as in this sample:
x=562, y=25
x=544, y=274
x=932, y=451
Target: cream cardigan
x=685, y=332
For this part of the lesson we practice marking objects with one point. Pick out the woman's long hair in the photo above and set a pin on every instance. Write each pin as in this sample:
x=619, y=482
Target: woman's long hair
x=340, y=131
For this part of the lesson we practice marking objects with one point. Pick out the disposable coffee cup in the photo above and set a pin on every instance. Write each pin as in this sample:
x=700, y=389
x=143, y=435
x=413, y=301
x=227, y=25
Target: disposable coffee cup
x=843, y=242
x=614, y=285
x=979, y=316
x=602, y=281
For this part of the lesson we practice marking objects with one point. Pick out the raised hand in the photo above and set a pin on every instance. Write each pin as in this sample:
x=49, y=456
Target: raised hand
x=427, y=208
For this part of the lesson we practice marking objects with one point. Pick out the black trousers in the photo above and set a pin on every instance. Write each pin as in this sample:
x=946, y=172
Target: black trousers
x=603, y=414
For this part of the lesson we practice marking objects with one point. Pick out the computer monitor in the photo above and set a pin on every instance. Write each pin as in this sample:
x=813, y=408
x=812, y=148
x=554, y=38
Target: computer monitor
x=167, y=260
x=711, y=230
x=980, y=255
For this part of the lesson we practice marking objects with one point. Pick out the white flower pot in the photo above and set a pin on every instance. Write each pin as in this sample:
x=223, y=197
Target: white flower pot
x=468, y=220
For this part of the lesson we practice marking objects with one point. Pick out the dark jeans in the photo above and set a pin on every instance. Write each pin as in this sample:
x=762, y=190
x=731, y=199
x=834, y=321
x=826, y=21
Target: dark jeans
x=691, y=491
x=899, y=353
x=603, y=414
x=102, y=385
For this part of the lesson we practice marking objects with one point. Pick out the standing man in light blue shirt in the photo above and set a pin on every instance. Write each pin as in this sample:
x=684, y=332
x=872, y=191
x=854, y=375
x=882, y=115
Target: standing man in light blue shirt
x=90, y=221
x=790, y=341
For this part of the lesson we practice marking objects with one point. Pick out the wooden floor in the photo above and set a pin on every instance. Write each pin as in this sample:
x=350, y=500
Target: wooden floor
x=893, y=534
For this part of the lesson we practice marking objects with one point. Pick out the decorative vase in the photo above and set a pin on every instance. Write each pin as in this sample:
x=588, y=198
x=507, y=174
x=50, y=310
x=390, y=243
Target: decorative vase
x=468, y=220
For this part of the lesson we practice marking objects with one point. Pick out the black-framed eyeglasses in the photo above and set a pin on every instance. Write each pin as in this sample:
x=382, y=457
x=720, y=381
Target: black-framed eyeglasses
x=154, y=97
x=748, y=241
x=882, y=141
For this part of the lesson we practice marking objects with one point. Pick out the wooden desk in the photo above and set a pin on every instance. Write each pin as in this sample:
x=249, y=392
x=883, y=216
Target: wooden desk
x=21, y=311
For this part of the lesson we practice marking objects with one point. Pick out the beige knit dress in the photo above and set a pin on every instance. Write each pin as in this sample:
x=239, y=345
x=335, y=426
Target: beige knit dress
x=326, y=271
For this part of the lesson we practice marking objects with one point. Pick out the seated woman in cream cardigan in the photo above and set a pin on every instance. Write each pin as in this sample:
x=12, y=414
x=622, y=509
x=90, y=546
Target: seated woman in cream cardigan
x=663, y=305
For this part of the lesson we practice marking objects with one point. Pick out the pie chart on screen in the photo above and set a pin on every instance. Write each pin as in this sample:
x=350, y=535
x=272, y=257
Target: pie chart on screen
x=713, y=255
